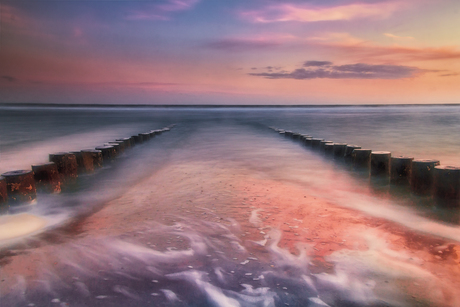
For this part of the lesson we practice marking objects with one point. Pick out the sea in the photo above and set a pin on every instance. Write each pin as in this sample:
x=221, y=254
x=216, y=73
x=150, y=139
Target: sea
x=222, y=210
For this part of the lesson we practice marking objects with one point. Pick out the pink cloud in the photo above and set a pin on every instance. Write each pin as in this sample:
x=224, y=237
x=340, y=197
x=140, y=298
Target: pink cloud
x=308, y=13
x=162, y=11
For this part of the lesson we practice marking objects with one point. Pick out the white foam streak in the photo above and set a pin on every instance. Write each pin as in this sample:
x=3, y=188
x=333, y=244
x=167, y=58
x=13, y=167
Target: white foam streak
x=146, y=254
x=284, y=257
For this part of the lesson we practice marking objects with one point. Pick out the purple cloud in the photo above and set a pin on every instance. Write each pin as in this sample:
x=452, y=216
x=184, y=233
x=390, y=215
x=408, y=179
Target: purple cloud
x=324, y=69
x=9, y=78
x=317, y=63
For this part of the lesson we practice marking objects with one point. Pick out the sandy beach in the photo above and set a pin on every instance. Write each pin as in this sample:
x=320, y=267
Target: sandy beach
x=272, y=221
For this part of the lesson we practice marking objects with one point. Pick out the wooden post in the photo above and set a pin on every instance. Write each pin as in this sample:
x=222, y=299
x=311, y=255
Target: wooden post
x=348, y=158
x=422, y=176
x=361, y=158
x=3, y=196
x=67, y=166
x=138, y=139
x=400, y=170
x=96, y=156
x=20, y=187
x=315, y=143
x=447, y=185
x=322, y=144
x=329, y=149
x=339, y=150
x=108, y=153
x=47, y=177
x=380, y=163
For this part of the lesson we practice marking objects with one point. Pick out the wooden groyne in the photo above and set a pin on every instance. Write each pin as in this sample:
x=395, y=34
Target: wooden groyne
x=18, y=188
x=423, y=177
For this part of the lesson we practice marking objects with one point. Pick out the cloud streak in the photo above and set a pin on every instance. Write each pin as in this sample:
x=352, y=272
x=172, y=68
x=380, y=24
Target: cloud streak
x=162, y=10
x=241, y=44
x=325, y=70
x=307, y=13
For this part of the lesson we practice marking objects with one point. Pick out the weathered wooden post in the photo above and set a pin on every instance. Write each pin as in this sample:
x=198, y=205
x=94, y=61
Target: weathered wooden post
x=67, y=166
x=108, y=153
x=400, y=170
x=3, y=196
x=138, y=139
x=361, y=158
x=329, y=150
x=96, y=156
x=348, y=158
x=315, y=143
x=447, y=185
x=145, y=136
x=339, y=150
x=422, y=176
x=322, y=145
x=47, y=177
x=116, y=148
x=20, y=187
x=126, y=142
x=84, y=161
x=380, y=163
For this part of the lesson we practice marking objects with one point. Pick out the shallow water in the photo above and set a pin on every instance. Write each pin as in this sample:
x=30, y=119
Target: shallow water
x=222, y=211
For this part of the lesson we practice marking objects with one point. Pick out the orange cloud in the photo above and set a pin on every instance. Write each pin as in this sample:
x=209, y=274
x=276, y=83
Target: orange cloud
x=396, y=37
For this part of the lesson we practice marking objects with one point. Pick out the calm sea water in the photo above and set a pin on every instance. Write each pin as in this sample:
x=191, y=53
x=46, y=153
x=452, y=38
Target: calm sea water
x=204, y=246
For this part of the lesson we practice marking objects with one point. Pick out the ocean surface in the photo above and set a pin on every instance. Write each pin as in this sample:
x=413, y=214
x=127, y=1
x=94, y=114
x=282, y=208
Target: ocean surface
x=215, y=211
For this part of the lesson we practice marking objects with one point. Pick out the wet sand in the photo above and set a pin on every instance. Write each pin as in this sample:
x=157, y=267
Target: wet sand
x=416, y=268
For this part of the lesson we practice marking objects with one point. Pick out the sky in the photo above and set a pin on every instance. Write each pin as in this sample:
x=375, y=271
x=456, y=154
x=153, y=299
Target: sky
x=236, y=52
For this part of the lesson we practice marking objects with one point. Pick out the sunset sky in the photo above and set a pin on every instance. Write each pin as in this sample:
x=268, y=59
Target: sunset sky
x=230, y=52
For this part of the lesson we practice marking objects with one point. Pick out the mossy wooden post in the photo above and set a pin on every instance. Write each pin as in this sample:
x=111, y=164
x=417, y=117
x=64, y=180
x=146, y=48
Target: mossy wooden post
x=400, y=170
x=447, y=185
x=67, y=166
x=47, y=177
x=3, y=196
x=20, y=186
x=422, y=176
